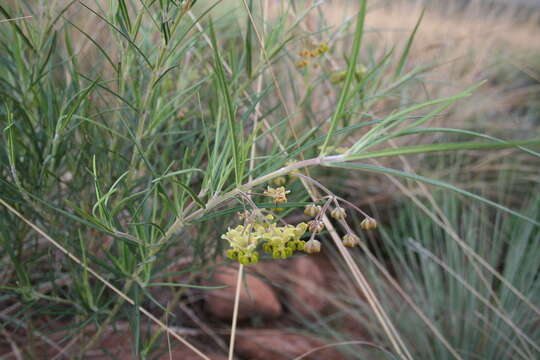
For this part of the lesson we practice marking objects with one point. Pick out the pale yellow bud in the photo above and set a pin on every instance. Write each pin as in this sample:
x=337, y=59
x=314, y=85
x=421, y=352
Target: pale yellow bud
x=350, y=240
x=315, y=226
x=312, y=210
x=312, y=246
x=280, y=181
x=338, y=213
x=368, y=223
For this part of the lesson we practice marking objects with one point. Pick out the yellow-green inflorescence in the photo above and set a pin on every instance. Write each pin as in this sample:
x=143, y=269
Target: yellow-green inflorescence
x=280, y=241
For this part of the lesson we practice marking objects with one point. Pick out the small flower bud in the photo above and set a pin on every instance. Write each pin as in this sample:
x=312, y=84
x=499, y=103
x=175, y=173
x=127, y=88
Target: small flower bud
x=338, y=77
x=312, y=210
x=248, y=259
x=350, y=240
x=302, y=64
x=361, y=72
x=288, y=252
x=267, y=248
x=315, y=226
x=338, y=213
x=232, y=254
x=279, y=195
x=282, y=253
x=323, y=47
x=242, y=215
x=296, y=245
x=280, y=181
x=368, y=223
x=312, y=246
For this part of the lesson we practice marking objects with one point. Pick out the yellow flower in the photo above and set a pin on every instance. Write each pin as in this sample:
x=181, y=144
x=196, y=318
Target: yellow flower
x=282, y=241
x=323, y=47
x=302, y=64
x=338, y=77
x=314, y=53
x=243, y=241
x=279, y=195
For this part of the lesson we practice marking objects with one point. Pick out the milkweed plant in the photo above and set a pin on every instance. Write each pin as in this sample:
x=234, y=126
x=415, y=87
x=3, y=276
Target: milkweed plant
x=131, y=130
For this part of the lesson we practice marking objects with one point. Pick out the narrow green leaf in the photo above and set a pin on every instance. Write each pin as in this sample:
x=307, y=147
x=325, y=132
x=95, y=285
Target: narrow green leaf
x=397, y=118
x=17, y=29
x=224, y=89
x=249, y=42
x=93, y=41
x=124, y=35
x=406, y=150
x=174, y=173
x=443, y=185
x=188, y=286
x=465, y=132
x=191, y=193
x=124, y=13
x=340, y=108
x=405, y=54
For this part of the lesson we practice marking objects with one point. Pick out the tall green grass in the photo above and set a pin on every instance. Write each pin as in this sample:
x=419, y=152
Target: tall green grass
x=444, y=288
x=127, y=136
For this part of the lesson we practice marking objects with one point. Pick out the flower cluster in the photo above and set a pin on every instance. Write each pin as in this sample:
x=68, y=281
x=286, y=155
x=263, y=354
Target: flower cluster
x=279, y=195
x=283, y=241
x=312, y=53
x=315, y=226
x=339, y=76
x=280, y=241
x=243, y=241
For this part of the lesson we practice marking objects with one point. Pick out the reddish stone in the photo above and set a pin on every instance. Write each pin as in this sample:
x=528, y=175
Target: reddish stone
x=265, y=344
x=256, y=297
x=308, y=292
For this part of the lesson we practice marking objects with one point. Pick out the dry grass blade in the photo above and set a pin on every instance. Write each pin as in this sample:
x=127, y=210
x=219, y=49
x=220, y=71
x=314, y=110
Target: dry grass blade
x=375, y=304
x=235, y=310
x=16, y=19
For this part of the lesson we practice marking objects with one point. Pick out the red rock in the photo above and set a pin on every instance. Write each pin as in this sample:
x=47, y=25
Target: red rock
x=274, y=272
x=308, y=292
x=186, y=354
x=256, y=297
x=270, y=344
